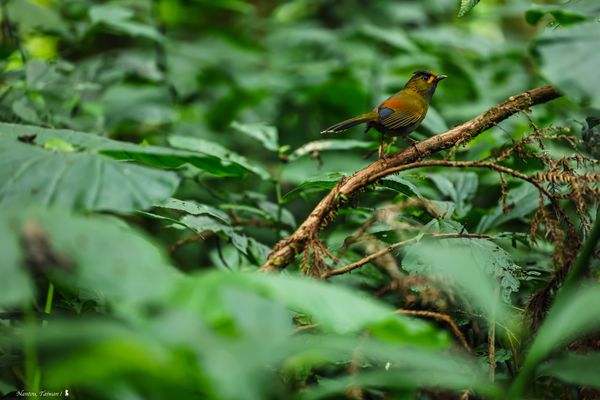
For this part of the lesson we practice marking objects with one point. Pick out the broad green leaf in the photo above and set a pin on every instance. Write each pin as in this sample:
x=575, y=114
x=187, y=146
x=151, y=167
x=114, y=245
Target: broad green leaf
x=482, y=270
x=578, y=369
x=389, y=35
x=125, y=103
x=329, y=145
x=32, y=16
x=466, y=6
x=276, y=211
x=194, y=208
x=400, y=185
x=106, y=261
x=247, y=209
x=324, y=304
x=573, y=315
x=265, y=134
x=460, y=187
x=207, y=220
x=24, y=109
x=121, y=20
x=408, y=369
x=215, y=149
x=292, y=11
x=314, y=185
x=155, y=156
x=567, y=13
x=201, y=223
x=99, y=355
x=32, y=175
x=574, y=75
x=521, y=202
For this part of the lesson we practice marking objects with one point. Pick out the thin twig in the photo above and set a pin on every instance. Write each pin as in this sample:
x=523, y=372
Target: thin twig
x=492, y=350
x=392, y=247
x=440, y=317
x=303, y=328
x=189, y=239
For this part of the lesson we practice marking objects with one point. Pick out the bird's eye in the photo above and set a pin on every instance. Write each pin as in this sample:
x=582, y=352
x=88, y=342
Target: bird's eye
x=425, y=77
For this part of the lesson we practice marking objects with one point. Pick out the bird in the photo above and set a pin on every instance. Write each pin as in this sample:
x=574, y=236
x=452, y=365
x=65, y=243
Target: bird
x=399, y=114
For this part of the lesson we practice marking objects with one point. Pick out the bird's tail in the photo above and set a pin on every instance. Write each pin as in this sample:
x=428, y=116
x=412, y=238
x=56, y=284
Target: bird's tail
x=349, y=123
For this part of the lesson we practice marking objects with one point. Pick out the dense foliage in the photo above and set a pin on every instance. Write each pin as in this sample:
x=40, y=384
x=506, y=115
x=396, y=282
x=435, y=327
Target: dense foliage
x=153, y=153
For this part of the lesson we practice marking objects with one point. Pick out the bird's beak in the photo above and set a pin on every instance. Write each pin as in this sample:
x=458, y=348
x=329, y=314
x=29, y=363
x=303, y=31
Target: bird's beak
x=440, y=77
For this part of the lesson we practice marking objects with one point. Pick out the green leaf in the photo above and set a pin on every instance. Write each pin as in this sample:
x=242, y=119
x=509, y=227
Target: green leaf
x=573, y=75
x=571, y=317
x=479, y=267
x=32, y=175
x=407, y=369
x=265, y=134
x=329, y=145
x=32, y=16
x=521, y=202
x=194, y=208
x=314, y=185
x=201, y=223
x=125, y=103
x=578, y=369
x=121, y=20
x=155, y=156
x=323, y=303
x=400, y=185
x=105, y=260
x=460, y=187
x=276, y=211
x=466, y=6
x=215, y=149
x=98, y=353
x=567, y=13
x=393, y=37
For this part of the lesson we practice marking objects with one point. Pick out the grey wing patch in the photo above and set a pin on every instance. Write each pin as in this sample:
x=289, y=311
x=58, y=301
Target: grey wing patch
x=385, y=112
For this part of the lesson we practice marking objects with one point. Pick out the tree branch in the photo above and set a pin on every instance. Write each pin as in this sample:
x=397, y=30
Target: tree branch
x=285, y=251
x=440, y=317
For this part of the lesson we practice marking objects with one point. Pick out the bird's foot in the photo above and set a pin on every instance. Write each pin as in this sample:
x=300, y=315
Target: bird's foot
x=414, y=144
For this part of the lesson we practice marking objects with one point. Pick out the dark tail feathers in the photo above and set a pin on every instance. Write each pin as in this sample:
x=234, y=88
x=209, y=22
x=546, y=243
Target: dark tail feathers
x=349, y=123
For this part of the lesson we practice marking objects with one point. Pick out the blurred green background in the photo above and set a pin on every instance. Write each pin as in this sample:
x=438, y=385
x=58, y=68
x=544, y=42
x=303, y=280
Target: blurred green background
x=173, y=137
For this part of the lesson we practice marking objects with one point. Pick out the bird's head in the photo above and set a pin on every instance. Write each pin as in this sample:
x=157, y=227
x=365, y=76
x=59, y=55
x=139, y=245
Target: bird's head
x=424, y=82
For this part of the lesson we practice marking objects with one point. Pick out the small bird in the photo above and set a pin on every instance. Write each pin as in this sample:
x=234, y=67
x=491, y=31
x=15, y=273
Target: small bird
x=401, y=113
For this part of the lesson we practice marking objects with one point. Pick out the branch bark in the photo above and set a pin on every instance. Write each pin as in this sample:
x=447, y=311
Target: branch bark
x=285, y=251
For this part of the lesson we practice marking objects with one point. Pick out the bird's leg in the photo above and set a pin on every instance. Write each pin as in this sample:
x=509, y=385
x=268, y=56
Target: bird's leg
x=382, y=147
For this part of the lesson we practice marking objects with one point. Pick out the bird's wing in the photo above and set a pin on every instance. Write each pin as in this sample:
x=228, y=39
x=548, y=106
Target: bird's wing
x=399, y=112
